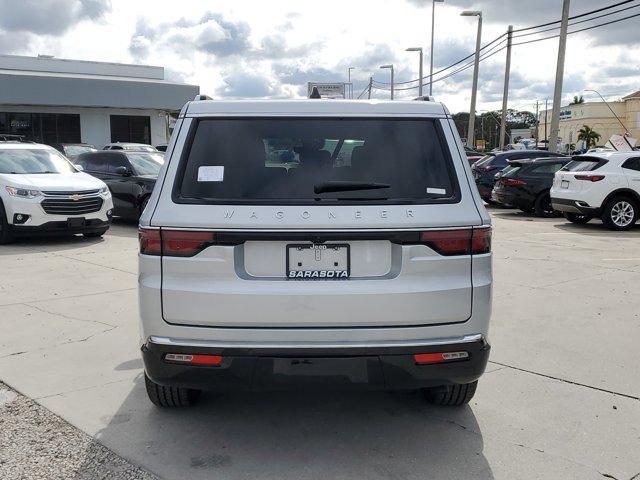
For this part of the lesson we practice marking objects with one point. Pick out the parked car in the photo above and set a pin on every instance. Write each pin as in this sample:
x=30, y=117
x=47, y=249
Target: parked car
x=472, y=155
x=602, y=184
x=161, y=148
x=41, y=192
x=525, y=184
x=484, y=170
x=130, y=175
x=140, y=147
x=337, y=268
x=72, y=150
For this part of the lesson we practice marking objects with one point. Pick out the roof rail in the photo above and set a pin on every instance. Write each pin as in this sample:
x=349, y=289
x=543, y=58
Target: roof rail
x=202, y=97
x=425, y=98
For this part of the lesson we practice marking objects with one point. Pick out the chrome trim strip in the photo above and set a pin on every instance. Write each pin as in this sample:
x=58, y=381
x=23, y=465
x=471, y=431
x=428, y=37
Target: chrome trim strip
x=323, y=230
x=298, y=345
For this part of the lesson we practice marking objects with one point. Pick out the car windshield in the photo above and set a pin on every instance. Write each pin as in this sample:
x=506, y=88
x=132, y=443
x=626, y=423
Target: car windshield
x=139, y=148
x=146, y=163
x=75, y=150
x=33, y=160
x=317, y=159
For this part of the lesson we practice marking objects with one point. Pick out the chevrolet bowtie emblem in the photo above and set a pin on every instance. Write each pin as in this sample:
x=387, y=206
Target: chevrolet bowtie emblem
x=75, y=197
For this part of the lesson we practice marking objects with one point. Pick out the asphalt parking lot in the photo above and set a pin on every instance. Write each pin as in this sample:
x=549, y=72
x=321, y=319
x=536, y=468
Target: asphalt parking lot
x=560, y=398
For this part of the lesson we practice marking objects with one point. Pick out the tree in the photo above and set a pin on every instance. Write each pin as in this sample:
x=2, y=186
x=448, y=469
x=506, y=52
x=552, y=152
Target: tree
x=590, y=136
x=577, y=100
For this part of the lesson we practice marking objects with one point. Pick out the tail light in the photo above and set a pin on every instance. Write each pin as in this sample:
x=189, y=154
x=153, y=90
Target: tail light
x=174, y=243
x=513, y=181
x=458, y=242
x=185, y=243
x=149, y=240
x=590, y=178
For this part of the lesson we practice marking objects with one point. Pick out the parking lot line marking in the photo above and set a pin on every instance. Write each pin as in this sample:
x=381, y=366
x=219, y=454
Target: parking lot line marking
x=636, y=259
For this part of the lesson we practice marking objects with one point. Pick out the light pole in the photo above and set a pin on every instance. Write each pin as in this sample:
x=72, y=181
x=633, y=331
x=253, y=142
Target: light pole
x=474, y=89
x=389, y=66
x=433, y=24
x=609, y=106
x=418, y=49
x=350, y=86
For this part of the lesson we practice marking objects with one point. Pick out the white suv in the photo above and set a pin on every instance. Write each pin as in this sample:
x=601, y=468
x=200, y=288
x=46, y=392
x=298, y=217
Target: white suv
x=42, y=193
x=314, y=243
x=603, y=184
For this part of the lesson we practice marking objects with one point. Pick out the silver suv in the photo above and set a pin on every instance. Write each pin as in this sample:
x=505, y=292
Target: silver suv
x=314, y=243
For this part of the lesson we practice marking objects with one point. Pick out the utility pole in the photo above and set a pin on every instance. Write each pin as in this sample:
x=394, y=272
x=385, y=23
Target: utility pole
x=537, y=136
x=370, y=86
x=557, y=93
x=350, y=84
x=474, y=89
x=505, y=94
x=546, y=111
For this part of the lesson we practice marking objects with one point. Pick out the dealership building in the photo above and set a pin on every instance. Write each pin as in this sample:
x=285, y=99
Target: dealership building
x=604, y=118
x=52, y=100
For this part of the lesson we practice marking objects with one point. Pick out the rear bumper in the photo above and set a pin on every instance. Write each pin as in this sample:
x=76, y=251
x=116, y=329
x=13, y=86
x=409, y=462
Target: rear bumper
x=574, y=206
x=267, y=367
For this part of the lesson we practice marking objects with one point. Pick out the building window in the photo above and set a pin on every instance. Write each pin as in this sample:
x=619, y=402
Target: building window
x=46, y=128
x=128, y=128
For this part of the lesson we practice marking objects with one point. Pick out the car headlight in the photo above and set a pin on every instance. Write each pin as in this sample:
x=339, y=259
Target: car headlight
x=23, y=192
x=104, y=190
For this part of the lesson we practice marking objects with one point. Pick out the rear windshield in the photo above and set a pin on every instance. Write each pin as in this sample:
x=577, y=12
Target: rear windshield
x=307, y=160
x=583, y=165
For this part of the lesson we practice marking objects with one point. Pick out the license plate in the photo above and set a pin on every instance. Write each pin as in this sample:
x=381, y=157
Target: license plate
x=564, y=184
x=76, y=222
x=318, y=262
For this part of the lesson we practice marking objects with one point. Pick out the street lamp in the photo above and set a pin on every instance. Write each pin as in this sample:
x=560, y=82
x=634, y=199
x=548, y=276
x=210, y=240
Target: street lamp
x=350, y=86
x=433, y=24
x=474, y=89
x=418, y=49
x=389, y=66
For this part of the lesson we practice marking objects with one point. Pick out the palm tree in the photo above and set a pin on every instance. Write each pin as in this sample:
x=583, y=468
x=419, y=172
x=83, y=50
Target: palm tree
x=577, y=100
x=590, y=136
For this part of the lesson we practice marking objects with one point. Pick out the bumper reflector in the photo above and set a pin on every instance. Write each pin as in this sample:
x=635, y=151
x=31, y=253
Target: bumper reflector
x=425, y=358
x=193, y=359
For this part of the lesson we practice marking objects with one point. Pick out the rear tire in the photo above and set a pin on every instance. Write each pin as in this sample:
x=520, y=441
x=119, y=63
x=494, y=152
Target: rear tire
x=577, y=218
x=542, y=207
x=95, y=234
x=170, y=397
x=451, y=395
x=5, y=235
x=620, y=213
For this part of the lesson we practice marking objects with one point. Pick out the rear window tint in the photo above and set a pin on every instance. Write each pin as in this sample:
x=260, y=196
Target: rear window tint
x=275, y=160
x=583, y=165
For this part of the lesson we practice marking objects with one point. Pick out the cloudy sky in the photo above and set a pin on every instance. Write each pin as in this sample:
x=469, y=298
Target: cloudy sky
x=270, y=49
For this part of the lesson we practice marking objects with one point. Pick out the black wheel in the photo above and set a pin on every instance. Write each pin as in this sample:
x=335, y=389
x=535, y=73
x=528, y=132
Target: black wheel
x=542, y=207
x=620, y=213
x=5, y=234
x=97, y=234
x=578, y=218
x=170, y=397
x=451, y=395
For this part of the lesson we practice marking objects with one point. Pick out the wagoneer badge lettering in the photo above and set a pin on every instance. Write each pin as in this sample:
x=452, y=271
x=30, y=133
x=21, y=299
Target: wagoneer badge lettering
x=306, y=214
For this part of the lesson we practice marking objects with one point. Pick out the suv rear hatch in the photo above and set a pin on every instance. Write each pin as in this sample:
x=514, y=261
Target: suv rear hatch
x=294, y=271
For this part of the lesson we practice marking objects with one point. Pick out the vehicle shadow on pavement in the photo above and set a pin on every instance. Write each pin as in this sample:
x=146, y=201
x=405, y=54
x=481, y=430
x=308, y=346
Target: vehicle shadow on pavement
x=295, y=434
x=596, y=228
x=49, y=244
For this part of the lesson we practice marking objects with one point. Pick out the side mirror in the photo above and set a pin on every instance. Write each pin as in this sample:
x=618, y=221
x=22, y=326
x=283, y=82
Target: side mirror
x=124, y=171
x=80, y=168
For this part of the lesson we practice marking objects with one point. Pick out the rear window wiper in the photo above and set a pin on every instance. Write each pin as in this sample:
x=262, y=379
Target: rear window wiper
x=344, y=186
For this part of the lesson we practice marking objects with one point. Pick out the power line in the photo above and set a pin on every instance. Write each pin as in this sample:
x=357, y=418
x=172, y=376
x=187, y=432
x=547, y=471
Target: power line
x=581, y=21
x=580, y=30
x=598, y=10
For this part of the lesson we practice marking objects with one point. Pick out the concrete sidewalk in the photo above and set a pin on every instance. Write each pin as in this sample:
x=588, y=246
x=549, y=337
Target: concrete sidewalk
x=559, y=399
